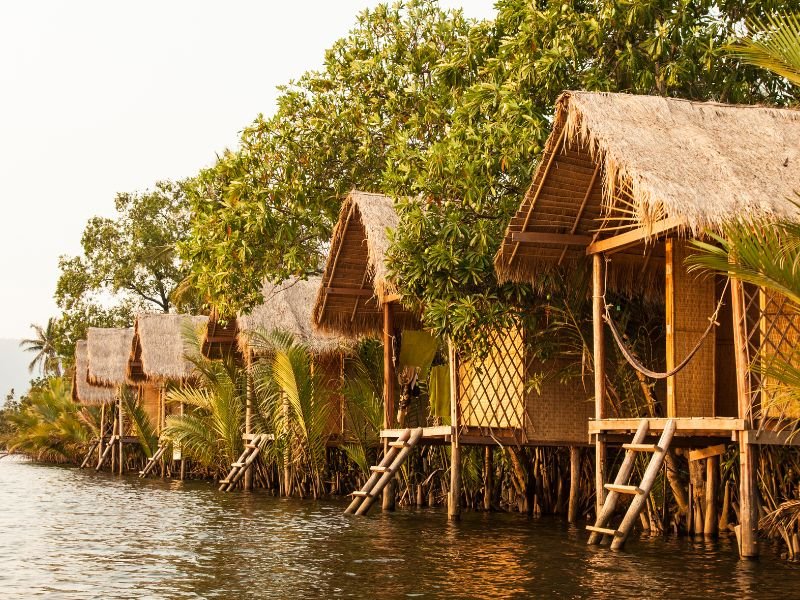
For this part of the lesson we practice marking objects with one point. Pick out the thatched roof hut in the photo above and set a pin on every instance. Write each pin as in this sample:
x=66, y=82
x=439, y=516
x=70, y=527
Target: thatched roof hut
x=84, y=392
x=646, y=166
x=287, y=308
x=220, y=337
x=108, y=351
x=159, y=348
x=356, y=283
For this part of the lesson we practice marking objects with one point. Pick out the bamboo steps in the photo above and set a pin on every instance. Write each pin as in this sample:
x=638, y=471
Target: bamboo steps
x=88, y=456
x=383, y=473
x=243, y=463
x=153, y=460
x=621, y=486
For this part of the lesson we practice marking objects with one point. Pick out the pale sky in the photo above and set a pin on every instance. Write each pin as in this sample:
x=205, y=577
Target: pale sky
x=99, y=97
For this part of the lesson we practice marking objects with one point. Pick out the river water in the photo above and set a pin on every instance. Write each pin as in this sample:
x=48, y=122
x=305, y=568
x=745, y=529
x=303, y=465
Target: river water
x=66, y=533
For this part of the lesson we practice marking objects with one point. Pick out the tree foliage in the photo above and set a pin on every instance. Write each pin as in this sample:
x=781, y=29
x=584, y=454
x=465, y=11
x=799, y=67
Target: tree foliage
x=132, y=257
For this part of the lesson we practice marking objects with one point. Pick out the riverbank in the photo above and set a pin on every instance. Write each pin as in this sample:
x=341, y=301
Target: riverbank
x=80, y=534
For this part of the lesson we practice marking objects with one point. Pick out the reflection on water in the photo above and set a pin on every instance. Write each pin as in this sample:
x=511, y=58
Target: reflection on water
x=77, y=534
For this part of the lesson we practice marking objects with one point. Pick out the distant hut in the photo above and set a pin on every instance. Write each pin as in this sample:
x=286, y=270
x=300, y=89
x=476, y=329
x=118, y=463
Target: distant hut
x=84, y=392
x=286, y=309
x=623, y=181
x=107, y=351
x=158, y=356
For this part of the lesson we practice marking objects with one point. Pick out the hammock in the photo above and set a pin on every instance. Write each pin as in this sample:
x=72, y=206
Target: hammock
x=636, y=364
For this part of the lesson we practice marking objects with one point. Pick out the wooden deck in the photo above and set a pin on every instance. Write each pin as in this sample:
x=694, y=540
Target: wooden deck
x=723, y=427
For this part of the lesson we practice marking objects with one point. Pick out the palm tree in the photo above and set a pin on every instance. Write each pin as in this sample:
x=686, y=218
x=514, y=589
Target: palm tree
x=295, y=402
x=772, y=44
x=44, y=346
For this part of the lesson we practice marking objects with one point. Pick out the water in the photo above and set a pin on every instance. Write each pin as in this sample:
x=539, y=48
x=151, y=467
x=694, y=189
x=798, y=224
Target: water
x=77, y=534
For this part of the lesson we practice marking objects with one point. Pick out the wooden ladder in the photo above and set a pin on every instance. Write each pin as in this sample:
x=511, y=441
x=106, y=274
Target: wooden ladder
x=384, y=472
x=88, y=456
x=621, y=486
x=111, y=440
x=153, y=460
x=239, y=468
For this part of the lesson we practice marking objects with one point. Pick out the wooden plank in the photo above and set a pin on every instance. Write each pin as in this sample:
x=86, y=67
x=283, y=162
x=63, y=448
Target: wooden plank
x=623, y=489
x=565, y=239
x=340, y=291
x=599, y=354
x=427, y=432
x=601, y=530
x=707, y=452
x=669, y=321
x=641, y=447
x=717, y=425
x=635, y=236
x=391, y=298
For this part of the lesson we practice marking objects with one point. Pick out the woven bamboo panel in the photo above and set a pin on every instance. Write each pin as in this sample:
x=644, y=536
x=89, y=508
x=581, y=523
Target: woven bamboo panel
x=149, y=396
x=779, y=327
x=491, y=389
x=693, y=304
x=329, y=369
x=559, y=411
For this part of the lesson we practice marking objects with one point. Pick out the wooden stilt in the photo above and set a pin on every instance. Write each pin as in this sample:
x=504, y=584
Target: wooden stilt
x=162, y=419
x=183, y=459
x=488, y=477
x=454, y=495
x=574, y=483
x=598, y=310
x=747, y=530
x=121, y=429
x=711, y=514
x=248, y=416
x=100, y=446
x=114, y=422
x=389, y=379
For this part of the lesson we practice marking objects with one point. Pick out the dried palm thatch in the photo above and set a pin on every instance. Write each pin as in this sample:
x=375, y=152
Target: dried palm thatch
x=108, y=349
x=617, y=162
x=356, y=281
x=84, y=392
x=160, y=347
x=287, y=308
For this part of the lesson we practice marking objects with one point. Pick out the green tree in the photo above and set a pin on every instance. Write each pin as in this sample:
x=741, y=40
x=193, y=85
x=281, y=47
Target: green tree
x=269, y=207
x=131, y=257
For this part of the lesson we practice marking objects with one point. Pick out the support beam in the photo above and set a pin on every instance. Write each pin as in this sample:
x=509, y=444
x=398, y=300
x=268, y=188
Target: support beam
x=121, y=432
x=635, y=236
x=389, y=379
x=598, y=292
x=488, y=477
x=574, y=483
x=454, y=496
x=669, y=321
x=100, y=446
x=747, y=530
x=248, y=416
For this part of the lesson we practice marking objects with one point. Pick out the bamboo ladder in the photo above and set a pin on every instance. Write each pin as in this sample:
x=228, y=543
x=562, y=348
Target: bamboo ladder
x=384, y=473
x=107, y=451
x=246, y=460
x=88, y=456
x=153, y=460
x=621, y=486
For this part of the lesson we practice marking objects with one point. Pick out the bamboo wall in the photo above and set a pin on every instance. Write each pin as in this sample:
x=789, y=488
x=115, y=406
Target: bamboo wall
x=150, y=399
x=329, y=368
x=779, y=336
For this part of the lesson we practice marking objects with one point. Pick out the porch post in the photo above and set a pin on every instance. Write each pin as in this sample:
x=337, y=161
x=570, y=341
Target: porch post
x=598, y=291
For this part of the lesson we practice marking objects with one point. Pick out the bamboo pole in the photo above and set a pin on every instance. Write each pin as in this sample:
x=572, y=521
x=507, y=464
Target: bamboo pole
x=183, y=460
x=598, y=291
x=711, y=514
x=454, y=496
x=747, y=530
x=121, y=432
x=112, y=443
x=488, y=477
x=248, y=417
x=102, y=431
x=389, y=378
x=574, y=483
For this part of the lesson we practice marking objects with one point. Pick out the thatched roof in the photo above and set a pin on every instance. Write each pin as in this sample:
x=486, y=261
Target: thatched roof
x=82, y=391
x=616, y=162
x=355, y=282
x=287, y=308
x=160, y=349
x=108, y=349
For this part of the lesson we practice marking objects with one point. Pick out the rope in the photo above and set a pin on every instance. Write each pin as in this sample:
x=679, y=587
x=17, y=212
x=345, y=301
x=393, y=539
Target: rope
x=634, y=362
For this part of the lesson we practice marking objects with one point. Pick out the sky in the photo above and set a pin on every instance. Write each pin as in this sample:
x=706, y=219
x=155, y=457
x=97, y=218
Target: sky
x=100, y=97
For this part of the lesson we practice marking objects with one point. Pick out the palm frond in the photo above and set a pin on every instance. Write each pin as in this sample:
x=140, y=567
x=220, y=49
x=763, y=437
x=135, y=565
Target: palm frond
x=773, y=44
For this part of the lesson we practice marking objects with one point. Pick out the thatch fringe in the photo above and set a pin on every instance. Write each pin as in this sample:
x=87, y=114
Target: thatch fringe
x=163, y=347
x=82, y=391
x=108, y=351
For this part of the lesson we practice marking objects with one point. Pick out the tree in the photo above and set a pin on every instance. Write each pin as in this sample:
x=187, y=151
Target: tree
x=131, y=257
x=73, y=322
x=268, y=208
x=44, y=345
x=474, y=178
